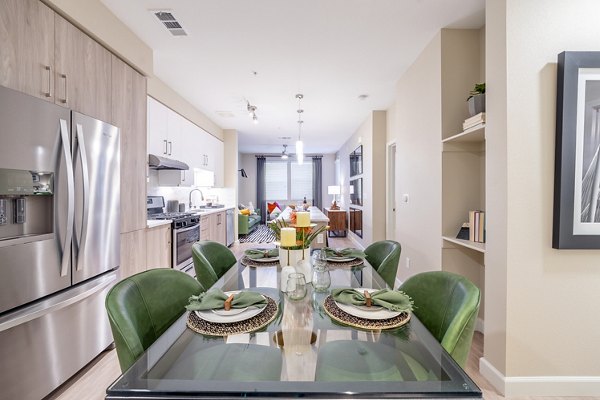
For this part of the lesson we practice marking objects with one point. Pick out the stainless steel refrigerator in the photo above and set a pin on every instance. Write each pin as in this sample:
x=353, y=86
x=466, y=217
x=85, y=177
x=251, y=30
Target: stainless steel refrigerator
x=59, y=241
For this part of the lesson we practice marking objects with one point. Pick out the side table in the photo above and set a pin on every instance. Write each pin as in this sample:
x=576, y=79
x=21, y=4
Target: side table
x=337, y=222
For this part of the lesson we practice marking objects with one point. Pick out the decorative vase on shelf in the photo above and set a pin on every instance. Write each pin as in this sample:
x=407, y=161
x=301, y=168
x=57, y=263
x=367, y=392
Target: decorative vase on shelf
x=476, y=104
x=291, y=257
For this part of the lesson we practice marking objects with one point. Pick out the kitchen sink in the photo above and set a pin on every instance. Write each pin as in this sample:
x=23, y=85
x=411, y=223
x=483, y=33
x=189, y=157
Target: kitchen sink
x=207, y=207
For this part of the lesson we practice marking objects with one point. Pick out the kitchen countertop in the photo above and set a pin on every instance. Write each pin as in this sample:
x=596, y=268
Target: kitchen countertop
x=153, y=223
x=207, y=211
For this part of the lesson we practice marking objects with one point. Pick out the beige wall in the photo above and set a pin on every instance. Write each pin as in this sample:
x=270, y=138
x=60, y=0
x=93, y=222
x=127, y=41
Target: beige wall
x=415, y=124
x=372, y=136
x=551, y=329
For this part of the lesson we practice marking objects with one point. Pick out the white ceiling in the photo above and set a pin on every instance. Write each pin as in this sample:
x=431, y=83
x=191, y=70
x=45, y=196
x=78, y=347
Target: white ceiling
x=331, y=51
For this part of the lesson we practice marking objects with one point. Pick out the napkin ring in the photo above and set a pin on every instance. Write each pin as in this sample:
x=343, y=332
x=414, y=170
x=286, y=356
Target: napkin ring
x=227, y=304
x=368, y=298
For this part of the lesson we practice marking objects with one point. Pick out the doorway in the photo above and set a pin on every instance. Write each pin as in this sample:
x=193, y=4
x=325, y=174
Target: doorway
x=390, y=231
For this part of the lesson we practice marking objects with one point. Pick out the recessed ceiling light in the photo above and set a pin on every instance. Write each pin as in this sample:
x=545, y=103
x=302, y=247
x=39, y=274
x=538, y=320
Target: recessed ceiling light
x=363, y=96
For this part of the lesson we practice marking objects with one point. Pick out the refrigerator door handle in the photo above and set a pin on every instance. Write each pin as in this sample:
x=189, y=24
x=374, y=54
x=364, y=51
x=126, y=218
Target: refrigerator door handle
x=86, y=195
x=57, y=302
x=64, y=137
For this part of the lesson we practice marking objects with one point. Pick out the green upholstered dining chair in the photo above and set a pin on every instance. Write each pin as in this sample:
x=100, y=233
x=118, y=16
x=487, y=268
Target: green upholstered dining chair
x=447, y=304
x=211, y=261
x=384, y=256
x=140, y=308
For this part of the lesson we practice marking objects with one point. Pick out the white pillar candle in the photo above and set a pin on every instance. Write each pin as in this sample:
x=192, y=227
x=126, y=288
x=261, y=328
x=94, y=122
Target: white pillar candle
x=288, y=237
x=303, y=219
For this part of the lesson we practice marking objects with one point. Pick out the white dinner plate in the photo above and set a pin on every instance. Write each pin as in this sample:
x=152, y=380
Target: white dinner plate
x=219, y=318
x=365, y=312
x=340, y=259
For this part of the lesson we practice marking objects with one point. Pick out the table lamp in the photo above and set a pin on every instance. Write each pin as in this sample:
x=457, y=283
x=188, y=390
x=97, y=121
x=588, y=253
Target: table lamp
x=334, y=190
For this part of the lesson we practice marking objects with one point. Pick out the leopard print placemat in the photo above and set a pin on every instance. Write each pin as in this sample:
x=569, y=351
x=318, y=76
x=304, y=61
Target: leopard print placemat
x=264, y=318
x=339, y=315
x=346, y=264
x=253, y=263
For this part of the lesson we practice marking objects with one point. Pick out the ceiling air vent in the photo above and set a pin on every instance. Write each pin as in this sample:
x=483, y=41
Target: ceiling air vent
x=170, y=22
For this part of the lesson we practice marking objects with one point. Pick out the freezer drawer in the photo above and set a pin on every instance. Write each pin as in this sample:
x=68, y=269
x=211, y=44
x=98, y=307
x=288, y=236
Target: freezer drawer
x=46, y=343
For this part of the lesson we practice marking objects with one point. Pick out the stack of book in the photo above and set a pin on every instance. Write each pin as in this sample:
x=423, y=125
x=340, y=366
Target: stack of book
x=475, y=120
x=477, y=226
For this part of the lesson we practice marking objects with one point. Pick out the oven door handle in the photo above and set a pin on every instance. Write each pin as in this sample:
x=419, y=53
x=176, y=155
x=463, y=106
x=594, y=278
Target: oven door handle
x=188, y=228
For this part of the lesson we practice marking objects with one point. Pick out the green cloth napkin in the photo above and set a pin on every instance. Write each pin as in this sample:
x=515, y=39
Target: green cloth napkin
x=348, y=252
x=214, y=299
x=261, y=253
x=393, y=300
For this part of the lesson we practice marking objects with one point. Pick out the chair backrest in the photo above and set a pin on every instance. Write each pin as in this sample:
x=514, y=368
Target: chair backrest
x=447, y=304
x=211, y=261
x=140, y=308
x=384, y=256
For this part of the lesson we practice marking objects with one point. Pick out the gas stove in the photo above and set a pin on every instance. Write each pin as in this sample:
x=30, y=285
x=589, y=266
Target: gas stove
x=155, y=207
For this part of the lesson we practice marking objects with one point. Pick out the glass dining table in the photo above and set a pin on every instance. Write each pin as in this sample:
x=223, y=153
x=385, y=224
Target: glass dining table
x=301, y=352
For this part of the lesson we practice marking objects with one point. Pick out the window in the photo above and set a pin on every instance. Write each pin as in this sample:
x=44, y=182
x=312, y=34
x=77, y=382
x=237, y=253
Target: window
x=286, y=180
x=276, y=180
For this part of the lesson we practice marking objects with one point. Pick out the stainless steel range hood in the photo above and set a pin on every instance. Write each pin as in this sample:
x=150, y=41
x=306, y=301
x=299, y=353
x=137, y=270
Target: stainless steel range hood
x=158, y=162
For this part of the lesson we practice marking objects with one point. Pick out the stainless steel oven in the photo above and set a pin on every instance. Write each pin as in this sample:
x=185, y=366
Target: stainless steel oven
x=183, y=239
x=186, y=232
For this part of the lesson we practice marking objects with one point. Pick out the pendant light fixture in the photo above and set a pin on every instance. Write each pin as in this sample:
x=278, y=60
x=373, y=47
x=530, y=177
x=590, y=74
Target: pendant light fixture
x=299, y=144
x=252, y=112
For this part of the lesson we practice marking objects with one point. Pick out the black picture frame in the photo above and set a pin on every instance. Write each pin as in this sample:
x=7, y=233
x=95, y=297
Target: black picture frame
x=355, y=221
x=356, y=161
x=356, y=187
x=576, y=207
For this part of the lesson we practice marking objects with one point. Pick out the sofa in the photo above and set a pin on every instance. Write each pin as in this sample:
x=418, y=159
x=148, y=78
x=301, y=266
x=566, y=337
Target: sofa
x=248, y=223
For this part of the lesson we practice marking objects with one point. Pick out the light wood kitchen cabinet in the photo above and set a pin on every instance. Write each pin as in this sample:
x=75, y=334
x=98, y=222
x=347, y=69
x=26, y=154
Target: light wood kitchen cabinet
x=27, y=47
x=129, y=114
x=214, y=227
x=206, y=228
x=158, y=245
x=133, y=253
x=83, y=71
x=220, y=230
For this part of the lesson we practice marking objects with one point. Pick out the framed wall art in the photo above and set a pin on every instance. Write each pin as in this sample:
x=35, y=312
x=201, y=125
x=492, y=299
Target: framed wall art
x=577, y=165
x=356, y=161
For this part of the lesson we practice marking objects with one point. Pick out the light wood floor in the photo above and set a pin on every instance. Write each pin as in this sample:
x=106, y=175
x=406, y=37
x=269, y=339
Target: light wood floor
x=91, y=382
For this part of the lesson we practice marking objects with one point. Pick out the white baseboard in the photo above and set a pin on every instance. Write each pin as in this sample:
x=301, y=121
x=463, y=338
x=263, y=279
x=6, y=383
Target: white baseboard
x=539, y=385
x=479, y=325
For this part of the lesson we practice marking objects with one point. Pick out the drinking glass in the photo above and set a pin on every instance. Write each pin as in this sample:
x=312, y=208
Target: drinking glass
x=296, y=286
x=321, y=279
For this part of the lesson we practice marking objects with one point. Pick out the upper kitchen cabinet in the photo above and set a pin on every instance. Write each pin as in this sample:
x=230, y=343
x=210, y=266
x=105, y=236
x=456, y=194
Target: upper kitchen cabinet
x=82, y=72
x=165, y=132
x=27, y=47
x=129, y=114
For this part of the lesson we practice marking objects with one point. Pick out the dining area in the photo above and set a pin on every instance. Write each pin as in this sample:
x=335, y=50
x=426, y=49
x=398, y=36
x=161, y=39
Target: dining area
x=252, y=326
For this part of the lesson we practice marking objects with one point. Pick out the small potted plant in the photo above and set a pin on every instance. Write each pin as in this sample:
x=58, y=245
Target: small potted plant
x=476, y=100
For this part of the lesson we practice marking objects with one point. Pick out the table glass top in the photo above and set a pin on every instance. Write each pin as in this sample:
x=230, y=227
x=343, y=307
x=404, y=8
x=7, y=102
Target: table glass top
x=317, y=358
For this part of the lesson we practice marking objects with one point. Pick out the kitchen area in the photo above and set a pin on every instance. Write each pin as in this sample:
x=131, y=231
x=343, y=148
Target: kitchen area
x=186, y=201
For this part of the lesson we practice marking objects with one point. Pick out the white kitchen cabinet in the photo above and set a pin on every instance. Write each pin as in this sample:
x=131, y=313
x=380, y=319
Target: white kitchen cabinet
x=158, y=142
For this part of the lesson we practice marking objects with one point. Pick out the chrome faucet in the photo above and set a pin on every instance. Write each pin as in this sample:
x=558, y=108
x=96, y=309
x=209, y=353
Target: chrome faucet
x=192, y=191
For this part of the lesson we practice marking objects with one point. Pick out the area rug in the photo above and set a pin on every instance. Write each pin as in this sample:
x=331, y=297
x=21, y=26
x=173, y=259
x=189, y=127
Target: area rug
x=262, y=234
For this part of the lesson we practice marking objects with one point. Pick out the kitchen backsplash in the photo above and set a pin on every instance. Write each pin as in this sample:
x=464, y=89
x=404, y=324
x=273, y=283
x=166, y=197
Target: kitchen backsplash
x=224, y=196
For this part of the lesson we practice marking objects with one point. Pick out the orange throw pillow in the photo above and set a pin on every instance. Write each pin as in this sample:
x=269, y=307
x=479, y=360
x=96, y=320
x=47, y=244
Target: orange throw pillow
x=245, y=211
x=271, y=206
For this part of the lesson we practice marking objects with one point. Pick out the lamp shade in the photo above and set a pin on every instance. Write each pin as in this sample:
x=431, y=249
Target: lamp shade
x=333, y=190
